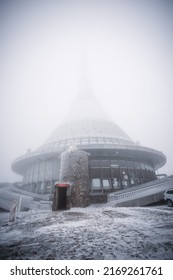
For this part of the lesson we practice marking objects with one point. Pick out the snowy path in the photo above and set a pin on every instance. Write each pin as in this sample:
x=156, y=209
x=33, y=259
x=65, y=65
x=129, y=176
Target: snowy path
x=90, y=233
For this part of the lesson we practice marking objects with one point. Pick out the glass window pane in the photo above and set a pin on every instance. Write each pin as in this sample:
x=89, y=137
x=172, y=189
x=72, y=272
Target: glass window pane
x=95, y=172
x=96, y=184
x=95, y=163
x=114, y=163
x=36, y=170
x=48, y=170
x=116, y=183
x=106, y=184
x=137, y=165
x=56, y=169
x=105, y=163
x=106, y=173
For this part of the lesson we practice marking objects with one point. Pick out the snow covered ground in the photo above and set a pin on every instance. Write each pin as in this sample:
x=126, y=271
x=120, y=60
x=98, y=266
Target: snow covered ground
x=96, y=232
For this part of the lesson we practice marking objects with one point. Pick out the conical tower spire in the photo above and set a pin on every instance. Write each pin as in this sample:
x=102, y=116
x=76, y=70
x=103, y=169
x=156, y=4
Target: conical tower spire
x=86, y=106
x=85, y=82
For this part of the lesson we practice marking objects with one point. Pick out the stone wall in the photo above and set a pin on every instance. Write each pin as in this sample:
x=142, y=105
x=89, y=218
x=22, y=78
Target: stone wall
x=98, y=198
x=74, y=169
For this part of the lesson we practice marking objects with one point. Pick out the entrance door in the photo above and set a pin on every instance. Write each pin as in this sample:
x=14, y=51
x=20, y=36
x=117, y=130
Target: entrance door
x=62, y=198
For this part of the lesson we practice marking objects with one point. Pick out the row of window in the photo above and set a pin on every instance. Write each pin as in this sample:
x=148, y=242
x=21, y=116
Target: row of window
x=99, y=185
x=42, y=171
x=121, y=173
x=49, y=170
x=40, y=187
x=110, y=174
x=84, y=141
x=120, y=163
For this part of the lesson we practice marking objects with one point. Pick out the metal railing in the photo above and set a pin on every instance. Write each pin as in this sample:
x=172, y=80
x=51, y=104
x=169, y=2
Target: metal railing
x=143, y=190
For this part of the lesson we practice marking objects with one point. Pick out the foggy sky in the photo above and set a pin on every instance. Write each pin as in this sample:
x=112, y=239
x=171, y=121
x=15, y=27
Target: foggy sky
x=128, y=54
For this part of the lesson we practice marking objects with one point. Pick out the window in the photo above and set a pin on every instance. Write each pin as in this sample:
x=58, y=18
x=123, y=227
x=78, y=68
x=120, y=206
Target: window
x=41, y=171
x=55, y=169
x=123, y=163
x=169, y=192
x=142, y=165
x=48, y=171
x=139, y=173
x=94, y=163
x=132, y=182
x=101, y=141
x=114, y=163
x=106, y=184
x=115, y=172
x=115, y=183
x=85, y=141
x=36, y=171
x=105, y=163
x=93, y=140
x=96, y=183
x=129, y=164
x=137, y=165
x=124, y=183
x=106, y=172
x=31, y=170
x=95, y=172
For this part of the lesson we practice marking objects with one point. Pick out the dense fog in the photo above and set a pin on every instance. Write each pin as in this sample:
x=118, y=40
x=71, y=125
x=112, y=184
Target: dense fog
x=123, y=49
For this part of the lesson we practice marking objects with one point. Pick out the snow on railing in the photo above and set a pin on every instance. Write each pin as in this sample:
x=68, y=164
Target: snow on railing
x=135, y=192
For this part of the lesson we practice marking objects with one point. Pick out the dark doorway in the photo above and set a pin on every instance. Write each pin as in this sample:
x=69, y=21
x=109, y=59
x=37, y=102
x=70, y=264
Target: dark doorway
x=62, y=198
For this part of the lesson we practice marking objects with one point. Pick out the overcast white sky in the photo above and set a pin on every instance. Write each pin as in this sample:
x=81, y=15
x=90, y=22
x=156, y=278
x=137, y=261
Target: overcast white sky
x=128, y=47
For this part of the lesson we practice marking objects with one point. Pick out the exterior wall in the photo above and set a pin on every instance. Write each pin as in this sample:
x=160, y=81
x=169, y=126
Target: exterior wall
x=108, y=172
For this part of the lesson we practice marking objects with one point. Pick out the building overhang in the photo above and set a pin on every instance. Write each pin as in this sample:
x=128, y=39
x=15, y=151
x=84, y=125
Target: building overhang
x=156, y=158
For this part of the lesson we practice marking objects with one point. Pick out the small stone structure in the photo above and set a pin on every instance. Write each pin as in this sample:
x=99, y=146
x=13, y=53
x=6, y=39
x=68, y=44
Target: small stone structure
x=74, y=170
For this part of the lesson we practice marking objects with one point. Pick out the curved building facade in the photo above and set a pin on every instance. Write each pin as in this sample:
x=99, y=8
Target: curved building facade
x=115, y=161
